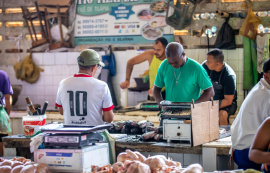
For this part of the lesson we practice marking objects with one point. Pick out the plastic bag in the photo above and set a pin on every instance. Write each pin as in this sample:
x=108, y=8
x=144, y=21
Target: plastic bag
x=225, y=38
x=250, y=25
x=4, y=122
x=109, y=61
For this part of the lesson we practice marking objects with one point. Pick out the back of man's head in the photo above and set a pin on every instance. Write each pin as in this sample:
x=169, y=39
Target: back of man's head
x=162, y=40
x=266, y=66
x=87, y=58
x=217, y=55
x=174, y=49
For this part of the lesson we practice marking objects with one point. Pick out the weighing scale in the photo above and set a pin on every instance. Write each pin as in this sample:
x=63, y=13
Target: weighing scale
x=72, y=148
x=149, y=106
x=59, y=135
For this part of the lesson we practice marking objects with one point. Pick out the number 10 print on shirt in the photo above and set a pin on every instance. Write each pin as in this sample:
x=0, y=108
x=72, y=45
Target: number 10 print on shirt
x=78, y=103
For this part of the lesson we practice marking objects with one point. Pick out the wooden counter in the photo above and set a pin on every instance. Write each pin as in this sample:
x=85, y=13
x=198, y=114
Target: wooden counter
x=138, y=116
x=222, y=146
x=17, y=128
x=20, y=144
x=207, y=152
x=155, y=147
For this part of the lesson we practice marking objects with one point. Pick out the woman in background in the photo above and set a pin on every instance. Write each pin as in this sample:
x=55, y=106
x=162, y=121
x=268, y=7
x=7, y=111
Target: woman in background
x=260, y=149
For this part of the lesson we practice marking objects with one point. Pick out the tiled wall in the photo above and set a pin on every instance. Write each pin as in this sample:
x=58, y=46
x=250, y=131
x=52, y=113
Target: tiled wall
x=58, y=66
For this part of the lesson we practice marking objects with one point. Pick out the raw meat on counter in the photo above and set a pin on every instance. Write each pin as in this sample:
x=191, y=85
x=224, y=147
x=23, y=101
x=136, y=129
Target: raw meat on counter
x=130, y=127
x=144, y=128
x=135, y=162
x=22, y=165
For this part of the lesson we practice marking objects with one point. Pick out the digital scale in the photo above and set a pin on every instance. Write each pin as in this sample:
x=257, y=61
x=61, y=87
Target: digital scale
x=72, y=148
x=149, y=106
x=59, y=135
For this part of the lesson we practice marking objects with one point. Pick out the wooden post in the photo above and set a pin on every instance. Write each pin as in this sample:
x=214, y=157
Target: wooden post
x=40, y=21
x=33, y=28
x=48, y=27
x=26, y=21
x=60, y=24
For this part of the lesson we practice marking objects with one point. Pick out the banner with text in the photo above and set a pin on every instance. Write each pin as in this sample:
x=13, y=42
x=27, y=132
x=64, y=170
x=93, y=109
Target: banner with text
x=121, y=21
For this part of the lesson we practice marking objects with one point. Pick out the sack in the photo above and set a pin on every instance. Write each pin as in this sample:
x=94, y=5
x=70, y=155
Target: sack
x=27, y=70
x=4, y=121
x=225, y=38
x=250, y=25
x=109, y=61
x=112, y=65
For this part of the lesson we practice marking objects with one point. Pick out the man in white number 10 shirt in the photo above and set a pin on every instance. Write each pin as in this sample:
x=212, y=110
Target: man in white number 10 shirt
x=83, y=99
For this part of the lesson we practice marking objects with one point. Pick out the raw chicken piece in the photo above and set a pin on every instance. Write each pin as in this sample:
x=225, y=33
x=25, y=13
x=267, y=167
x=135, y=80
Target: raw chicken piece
x=17, y=169
x=103, y=169
x=142, y=158
x=16, y=163
x=169, y=162
x=132, y=155
x=194, y=168
x=28, y=169
x=118, y=166
x=137, y=167
x=156, y=163
x=5, y=169
x=128, y=155
x=42, y=168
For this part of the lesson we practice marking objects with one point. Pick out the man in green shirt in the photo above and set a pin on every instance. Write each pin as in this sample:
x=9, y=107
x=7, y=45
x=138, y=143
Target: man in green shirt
x=183, y=78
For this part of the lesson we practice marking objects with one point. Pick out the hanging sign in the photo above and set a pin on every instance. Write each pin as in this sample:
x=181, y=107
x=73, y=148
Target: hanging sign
x=121, y=21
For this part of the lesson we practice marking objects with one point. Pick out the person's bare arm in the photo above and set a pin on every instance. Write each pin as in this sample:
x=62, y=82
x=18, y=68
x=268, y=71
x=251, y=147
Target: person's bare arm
x=206, y=95
x=145, y=56
x=8, y=103
x=108, y=116
x=61, y=110
x=157, y=94
x=257, y=152
x=227, y=101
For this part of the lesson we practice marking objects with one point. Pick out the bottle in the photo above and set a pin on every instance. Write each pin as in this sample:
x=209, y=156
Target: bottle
x=212, y=15
x=214, y=29
x=262, y=13
x=260, y=28
x=30, y=104
x=196, y=16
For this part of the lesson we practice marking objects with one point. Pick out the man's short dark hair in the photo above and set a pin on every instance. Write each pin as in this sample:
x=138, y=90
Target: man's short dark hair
x=85, y=67
x=217, y=55
x=162, y=40
x=266, y=66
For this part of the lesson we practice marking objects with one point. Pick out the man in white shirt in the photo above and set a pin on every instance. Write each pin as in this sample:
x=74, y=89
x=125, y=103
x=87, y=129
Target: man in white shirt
x=83, y=99
x=254, y=110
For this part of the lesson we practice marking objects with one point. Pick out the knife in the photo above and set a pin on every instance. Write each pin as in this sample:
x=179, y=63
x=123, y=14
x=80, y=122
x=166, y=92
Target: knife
x=44, y=108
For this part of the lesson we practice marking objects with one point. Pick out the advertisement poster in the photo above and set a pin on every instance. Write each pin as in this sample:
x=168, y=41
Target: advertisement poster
x=121, y=21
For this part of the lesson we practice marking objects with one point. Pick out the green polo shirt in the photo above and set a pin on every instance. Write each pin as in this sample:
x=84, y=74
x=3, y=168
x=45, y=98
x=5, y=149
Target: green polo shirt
x=192, y=78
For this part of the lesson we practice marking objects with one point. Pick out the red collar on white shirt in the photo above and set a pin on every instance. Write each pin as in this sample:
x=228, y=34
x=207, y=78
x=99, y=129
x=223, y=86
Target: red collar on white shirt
x=81, y=75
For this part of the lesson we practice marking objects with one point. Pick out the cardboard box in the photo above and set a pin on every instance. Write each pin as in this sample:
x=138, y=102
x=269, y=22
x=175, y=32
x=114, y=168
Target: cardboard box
x=205, y=122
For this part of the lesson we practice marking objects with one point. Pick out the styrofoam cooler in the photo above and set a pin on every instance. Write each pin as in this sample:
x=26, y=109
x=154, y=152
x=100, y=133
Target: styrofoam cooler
x=31, y=124
x=74, y=160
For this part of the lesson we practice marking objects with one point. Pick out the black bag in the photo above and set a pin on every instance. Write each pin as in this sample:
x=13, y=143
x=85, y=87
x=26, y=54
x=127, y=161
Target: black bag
x=225, y=38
